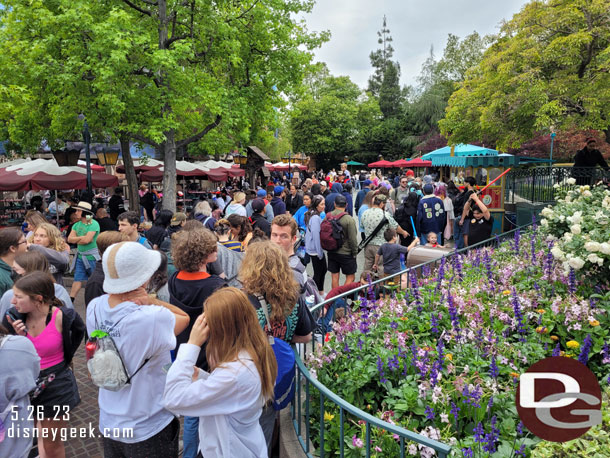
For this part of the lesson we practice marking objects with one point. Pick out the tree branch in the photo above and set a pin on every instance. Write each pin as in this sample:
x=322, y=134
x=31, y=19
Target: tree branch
x=199, y=135
x=246, y=11
x=137, y=8
x=143, y=139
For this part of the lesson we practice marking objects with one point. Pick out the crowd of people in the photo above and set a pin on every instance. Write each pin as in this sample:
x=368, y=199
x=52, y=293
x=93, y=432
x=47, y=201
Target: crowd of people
x=190, y=304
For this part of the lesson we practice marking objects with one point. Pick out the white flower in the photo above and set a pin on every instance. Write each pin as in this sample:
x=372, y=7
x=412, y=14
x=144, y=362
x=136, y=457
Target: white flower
x=557, y=253
x=571, y=181
x=550, y=238
x=604, y=248
x=544, y=222
x=576, y=218
x=562, y=218
x=576, y=263
x=547, y=212
x=567, y=237
x=593, y=258
x=587, y=194
x=576, y=229
x=556, y=186
x=592, y=247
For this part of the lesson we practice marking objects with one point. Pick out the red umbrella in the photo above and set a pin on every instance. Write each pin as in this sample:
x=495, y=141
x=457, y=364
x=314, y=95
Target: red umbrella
x=382, y=164
x=151, y=164
x=400, y=163
x=418, y=162
x=42, y=174
x=94, y=167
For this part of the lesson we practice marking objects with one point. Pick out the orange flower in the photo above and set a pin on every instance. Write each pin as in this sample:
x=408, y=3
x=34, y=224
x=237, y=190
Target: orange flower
x=542, y=330
x=541, y=311
x=449, y=356
x=514, y=375
x=506, y=292
x=594, y=323
x=554, y=338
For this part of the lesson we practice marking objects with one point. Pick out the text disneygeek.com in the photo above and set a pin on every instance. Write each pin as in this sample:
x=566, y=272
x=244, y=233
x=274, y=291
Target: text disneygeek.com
x=67, y=433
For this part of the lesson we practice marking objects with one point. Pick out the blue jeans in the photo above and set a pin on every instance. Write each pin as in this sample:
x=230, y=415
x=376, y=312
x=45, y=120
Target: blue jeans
x=325, y=321
x=190, y=437
x=458, y=233
x=423, y=238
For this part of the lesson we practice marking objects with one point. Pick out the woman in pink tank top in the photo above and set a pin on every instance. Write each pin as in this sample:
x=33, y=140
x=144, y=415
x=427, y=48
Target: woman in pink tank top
x=37, y=315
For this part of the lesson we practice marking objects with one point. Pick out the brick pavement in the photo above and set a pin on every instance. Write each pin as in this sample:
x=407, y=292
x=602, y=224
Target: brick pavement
x=87, y=412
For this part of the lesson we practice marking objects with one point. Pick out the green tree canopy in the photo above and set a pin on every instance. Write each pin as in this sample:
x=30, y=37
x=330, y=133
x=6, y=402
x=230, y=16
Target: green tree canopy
x=164, y=73
x=549, y=66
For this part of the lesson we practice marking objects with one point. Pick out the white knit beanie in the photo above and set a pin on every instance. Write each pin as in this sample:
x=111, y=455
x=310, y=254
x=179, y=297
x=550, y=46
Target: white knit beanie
x=127, y=266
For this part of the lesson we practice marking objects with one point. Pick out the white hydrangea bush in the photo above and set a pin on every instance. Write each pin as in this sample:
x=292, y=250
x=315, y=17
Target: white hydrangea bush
x=579, y=228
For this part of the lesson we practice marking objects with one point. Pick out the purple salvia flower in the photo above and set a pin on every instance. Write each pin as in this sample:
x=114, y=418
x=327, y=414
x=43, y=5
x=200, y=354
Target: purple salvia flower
x=521, y=451
x=520, y=428
x=360, y=343
x=453, y=314
x=490, y=403
x=479, y=433
x=364, y=327
x=415, y=291
x=492, y=437
x=455, y=410
x=586, y=348
x=521, y=330
x=429, y=411
x=393, y=363
x=457, y=265
x=346, y=348
x=468, y=453
x=487, y=262
x=434, y=324
x=606, y=353
x=493, y=368
x=572, y=281
x=425, y=270
x=517, y=240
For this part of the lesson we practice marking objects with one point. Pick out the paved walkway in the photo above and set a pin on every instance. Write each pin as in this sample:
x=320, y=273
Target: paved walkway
x=87, y=412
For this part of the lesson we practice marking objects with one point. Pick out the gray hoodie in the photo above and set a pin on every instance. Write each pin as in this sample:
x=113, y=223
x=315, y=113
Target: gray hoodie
x=19, y=369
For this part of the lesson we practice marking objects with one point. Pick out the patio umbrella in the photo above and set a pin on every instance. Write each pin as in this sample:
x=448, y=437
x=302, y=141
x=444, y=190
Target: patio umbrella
x=42, y=174
x=142, y=166
x=400, y=163
x=381, y=164
x=94, y=167
x=418, y=162
x=354, y=163
x=461, y=150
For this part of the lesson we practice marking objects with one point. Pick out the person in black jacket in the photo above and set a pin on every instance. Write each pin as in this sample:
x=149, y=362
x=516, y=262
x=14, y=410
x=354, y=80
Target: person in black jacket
x=589, y=156
x=258, y=217
x=116, y=205
x=39, y=315
x=294, y=200
x=189, y=288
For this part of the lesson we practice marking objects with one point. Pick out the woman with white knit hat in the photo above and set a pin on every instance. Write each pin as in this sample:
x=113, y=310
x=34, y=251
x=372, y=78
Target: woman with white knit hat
x=143, y=330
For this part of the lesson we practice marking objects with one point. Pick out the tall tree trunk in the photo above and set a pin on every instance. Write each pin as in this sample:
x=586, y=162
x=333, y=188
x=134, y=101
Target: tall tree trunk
x=169, y=171
x=130, y=175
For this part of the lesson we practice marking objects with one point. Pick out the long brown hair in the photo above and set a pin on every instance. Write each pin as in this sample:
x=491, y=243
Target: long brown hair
x=32, y=261
x=39, y=284
x=234, y=327
x=265, y=271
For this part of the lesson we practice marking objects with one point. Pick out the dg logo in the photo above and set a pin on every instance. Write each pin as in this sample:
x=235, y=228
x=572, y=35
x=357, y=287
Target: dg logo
x=559, y=399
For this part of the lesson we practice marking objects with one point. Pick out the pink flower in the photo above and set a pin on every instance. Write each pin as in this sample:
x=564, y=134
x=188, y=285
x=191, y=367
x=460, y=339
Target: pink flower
x=357, y=442
x=378, y=449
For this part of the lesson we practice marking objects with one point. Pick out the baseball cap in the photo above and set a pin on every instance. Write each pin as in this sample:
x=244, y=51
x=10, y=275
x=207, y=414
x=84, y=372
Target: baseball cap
x=428, y=188
x=177, y=219
x=261, y=193
x=278, y=190
x=367, y=182
x=323, y=183
x=258, y=204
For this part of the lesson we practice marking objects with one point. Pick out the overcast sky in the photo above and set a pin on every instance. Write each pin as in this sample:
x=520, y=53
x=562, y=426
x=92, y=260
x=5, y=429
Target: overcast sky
x=415, y=25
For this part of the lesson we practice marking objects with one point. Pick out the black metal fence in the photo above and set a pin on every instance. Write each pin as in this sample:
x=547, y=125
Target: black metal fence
x=539, y=184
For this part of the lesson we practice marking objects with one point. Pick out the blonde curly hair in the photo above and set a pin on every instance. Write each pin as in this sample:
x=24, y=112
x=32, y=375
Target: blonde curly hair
x=56, y=240
x=265, y=271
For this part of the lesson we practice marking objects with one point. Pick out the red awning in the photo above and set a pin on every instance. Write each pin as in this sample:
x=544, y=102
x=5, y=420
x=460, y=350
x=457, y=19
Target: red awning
x=400, y=163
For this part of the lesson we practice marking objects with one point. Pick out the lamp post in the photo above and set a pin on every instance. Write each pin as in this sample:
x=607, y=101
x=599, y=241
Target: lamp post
x=87, y=138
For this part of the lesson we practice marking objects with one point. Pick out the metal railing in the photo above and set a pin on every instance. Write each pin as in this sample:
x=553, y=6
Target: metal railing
x=301, y=409
x=537, y=184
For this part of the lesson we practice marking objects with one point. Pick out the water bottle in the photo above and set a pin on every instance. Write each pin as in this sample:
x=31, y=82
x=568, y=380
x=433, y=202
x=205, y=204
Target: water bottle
x=403, y=266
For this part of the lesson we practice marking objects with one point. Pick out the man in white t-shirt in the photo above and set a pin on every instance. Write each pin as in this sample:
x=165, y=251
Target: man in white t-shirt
x=133, y=420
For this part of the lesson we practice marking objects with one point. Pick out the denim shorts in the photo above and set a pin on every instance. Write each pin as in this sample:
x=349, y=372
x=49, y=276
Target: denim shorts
x=80, y=272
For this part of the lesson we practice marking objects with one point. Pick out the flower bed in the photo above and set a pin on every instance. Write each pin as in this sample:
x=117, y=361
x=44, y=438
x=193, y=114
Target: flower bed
x=443, y=358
